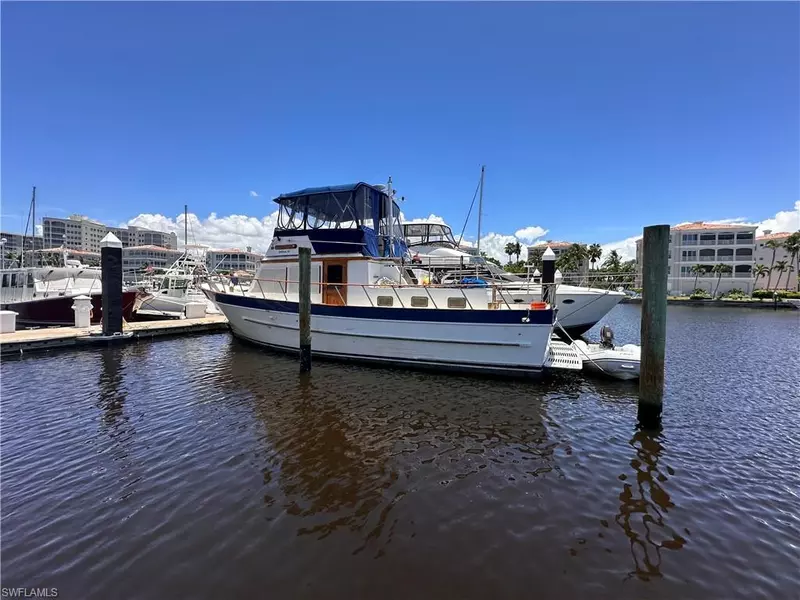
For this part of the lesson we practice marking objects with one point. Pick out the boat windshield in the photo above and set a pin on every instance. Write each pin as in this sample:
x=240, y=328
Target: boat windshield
x=429, y=234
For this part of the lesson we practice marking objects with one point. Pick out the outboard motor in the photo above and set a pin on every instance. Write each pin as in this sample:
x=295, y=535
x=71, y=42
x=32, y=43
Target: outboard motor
x=606, y=337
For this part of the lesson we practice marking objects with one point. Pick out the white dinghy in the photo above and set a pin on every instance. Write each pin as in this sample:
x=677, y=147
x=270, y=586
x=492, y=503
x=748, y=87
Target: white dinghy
x=619, y=362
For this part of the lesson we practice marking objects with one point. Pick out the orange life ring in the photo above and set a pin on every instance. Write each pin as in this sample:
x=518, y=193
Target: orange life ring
x=91, y=314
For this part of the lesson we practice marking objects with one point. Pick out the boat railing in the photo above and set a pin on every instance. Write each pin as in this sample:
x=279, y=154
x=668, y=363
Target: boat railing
x=498, y=297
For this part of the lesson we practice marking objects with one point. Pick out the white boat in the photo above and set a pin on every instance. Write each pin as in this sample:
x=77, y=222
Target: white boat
x=365, y=305
x=179, y=286
x=434, y=249
x=619, y=362
x=43, y=296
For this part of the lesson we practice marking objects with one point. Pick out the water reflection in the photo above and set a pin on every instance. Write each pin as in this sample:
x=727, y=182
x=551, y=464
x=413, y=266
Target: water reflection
x=347, y=445
x=115, y=423
x=643, y=508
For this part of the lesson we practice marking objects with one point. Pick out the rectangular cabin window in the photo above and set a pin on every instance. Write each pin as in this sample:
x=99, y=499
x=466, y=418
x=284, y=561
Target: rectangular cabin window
x=457, y=302
x=385, y=300
x=419, y=301
x=5, y=280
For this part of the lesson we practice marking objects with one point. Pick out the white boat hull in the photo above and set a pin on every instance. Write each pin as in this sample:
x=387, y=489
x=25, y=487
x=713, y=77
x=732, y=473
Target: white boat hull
x=171, y=304
x=484, y=341
x=579, y=309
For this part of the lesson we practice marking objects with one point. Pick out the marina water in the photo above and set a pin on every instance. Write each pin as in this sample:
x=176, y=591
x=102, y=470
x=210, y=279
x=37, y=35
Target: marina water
x=203, y=467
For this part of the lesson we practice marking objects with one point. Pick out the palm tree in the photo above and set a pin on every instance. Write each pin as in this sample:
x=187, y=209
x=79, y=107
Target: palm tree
x=697, y=270
x=760, y=271
x=792, y=245
x=719, y=269
x=774, y=245
x=594, y=253
x=781, y=266
x=613, y=262
x=517, y=249
x=535, y=257
x=509, y=250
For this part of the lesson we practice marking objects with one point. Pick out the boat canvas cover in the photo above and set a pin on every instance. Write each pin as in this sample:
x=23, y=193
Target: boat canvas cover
x=334, y=210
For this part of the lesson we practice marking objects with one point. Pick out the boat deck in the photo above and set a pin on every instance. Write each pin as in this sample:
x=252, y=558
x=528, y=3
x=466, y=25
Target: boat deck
x=31, y=340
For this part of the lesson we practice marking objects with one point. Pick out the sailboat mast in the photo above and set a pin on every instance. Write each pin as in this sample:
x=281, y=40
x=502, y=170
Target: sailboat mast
x=33, y=233
x=391, y=217
x=480, y=210
x=185, y=227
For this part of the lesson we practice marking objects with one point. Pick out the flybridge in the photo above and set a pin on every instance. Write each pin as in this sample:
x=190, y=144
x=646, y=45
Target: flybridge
x=352, y=218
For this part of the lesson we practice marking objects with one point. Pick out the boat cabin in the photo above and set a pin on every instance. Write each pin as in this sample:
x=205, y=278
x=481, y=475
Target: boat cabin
x=429, y=234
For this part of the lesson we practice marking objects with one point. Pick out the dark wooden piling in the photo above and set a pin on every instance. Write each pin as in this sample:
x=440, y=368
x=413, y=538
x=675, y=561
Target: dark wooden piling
x=111, y=266
x=549, y=277
x=655, y=268
x=304, y=291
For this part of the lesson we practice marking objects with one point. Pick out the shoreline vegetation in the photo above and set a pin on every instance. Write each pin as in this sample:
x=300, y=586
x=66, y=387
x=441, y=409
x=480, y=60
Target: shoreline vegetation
x=725, y=302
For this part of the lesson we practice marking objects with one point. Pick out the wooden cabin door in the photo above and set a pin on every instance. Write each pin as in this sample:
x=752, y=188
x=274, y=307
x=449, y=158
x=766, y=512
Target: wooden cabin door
x=335, y=276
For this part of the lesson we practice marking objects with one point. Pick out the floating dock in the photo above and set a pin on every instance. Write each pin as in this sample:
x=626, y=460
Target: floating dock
x=35, y=340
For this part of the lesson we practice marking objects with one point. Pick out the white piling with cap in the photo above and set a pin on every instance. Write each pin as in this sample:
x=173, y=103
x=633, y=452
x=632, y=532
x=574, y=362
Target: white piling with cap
x=549, y=277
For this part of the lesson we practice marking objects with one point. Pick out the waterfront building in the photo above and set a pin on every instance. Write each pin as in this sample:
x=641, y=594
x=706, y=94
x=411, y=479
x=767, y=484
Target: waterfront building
x=764, y=257
x=141, y=257
x=233, y=259
x=708, y=244
x=79, y=232
x=11, y=245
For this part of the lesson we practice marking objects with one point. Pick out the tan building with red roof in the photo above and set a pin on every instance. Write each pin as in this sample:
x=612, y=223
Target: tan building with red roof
x=233, y=259
x=764, y=256
x=709, y=244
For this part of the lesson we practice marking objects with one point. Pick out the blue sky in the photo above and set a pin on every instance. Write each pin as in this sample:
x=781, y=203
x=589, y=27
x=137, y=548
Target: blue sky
x=593, y=119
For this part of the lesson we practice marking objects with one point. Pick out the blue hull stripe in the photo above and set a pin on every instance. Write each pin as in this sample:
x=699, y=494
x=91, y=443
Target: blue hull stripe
x=448, y=315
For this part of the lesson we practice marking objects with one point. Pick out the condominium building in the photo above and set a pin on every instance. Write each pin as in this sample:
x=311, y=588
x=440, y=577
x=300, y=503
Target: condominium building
x=764, y=256
x=233, y=259
x=708, y=244
x=82, y=233
x=77, y=233
x=135, y=258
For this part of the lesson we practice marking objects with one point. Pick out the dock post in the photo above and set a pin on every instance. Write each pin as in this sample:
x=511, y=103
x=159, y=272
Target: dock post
x=655, y=253
x=111, y=266
x=305, y=309
x=549, y=277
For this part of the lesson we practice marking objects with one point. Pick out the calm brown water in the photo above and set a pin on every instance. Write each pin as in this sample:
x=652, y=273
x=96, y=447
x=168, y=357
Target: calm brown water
x=205, y=468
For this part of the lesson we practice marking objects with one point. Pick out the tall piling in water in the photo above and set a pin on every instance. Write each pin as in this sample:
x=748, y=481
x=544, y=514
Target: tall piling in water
x=111, y=266
x=655, y=254
x=304, y=291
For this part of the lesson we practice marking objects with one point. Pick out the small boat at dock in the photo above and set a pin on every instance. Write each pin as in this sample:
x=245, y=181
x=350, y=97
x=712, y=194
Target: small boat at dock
x=618, y=362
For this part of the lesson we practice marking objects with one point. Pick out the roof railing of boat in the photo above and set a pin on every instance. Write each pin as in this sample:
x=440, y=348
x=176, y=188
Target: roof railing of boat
x=494, y=304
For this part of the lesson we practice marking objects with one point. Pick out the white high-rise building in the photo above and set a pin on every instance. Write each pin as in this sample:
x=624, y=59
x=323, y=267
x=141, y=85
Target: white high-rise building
x=82, y=233
x=708, y=244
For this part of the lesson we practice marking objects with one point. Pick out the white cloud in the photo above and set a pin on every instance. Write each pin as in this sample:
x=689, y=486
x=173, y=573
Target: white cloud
x=430, y=219
x=625, y=248
x=253, y=194
x=494, y=245
x=232, y=231
x=527, y=235
x=785, y=220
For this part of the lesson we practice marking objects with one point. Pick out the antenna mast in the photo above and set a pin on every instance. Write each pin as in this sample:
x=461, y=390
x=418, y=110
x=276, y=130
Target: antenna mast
x=480, y=211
